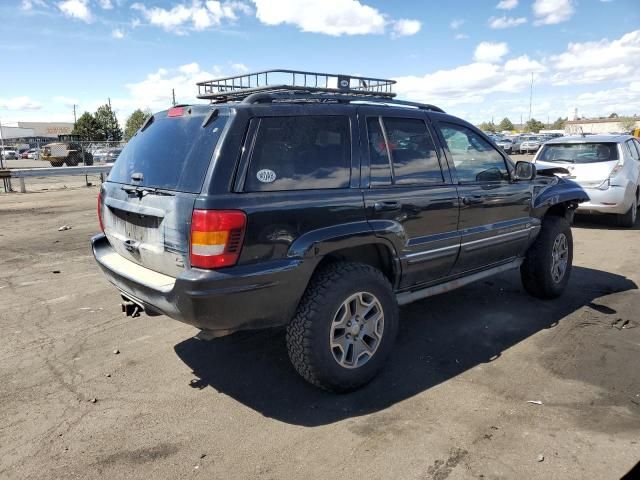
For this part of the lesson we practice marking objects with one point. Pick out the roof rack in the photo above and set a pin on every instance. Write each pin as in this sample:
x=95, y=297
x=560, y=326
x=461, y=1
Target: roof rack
x=305, y=97
x=239, y=87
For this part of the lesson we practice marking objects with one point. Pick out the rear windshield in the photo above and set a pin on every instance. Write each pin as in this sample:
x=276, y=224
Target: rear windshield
x=579, y=152
x=173, y=153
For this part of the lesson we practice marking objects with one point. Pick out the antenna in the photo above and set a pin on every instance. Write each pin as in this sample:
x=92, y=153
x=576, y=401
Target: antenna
x=531, y=96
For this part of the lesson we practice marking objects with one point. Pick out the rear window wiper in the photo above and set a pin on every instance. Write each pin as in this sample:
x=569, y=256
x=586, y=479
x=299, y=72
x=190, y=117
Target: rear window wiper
x=560, y=160
x=143, y=191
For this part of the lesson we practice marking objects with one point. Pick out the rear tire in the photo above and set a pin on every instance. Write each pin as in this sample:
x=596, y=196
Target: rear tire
x=88, y=159
x=547, y=266
x=344, y=328
x=56, y=164
x=628, y=220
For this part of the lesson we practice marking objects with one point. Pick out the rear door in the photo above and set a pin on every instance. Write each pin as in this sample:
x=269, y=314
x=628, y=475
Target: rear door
x=407, y=189
x=148, y=198
x=495, y=218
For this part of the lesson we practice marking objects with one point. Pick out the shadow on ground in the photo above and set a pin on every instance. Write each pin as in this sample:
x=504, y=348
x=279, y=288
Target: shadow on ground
x=600, y=222
x=439, y=338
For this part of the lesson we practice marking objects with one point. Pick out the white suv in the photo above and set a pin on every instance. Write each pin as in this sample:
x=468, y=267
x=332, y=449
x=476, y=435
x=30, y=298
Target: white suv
x=606, y=166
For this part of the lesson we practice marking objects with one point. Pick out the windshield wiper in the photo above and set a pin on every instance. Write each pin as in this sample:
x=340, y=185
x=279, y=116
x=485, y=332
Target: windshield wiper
x=560, y=160
x=143, y=191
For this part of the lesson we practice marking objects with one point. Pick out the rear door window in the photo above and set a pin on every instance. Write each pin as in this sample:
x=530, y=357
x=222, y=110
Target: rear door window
x=300, y=153
x=407, y=156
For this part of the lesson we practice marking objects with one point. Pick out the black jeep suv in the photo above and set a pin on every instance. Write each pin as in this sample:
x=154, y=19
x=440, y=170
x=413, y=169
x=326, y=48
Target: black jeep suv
x=321, y=209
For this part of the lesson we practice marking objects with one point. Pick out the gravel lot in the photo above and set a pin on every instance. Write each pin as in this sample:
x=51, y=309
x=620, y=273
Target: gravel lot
x=452, y=403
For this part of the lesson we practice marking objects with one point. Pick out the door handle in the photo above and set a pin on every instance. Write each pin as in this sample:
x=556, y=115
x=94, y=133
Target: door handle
x=386, y=206
x=471, y=200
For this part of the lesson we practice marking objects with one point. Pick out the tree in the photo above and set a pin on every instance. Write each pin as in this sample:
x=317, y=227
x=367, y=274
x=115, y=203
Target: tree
x=558, y=124
x=534, y=125
x=135, y=122
x=613, y=115
x=87, y=128
x=108, y=123
x=505, y=124
x=628, y=124
x=487, y=127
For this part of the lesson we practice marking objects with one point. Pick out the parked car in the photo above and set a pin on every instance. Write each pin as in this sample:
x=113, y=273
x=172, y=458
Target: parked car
x=530, y=144
x=606, y=166
x=280, y=208
x=99, y=155
x=9, y=154
x=505, y=144
x=33, y=154
x=112, y=155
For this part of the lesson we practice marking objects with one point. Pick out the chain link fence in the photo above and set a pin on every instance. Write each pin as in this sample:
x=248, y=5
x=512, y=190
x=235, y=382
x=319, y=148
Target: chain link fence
x=58, y=153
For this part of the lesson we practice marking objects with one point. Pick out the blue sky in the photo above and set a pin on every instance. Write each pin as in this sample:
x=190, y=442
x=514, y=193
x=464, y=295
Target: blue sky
x=475, y=58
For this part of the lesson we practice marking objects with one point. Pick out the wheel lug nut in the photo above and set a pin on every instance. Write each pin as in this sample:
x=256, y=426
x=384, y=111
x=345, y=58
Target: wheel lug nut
x=348, y=335
x=349, y=323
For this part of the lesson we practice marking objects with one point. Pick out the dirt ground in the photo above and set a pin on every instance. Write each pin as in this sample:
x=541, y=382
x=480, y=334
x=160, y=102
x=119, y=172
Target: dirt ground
x=452, y=403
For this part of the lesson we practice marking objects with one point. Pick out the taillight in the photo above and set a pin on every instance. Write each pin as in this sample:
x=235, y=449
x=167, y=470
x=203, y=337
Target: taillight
x=100, y=212
x=216, y=237
x=615, y=170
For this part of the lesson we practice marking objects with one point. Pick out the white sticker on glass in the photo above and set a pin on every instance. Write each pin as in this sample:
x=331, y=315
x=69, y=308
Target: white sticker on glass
x=266, y=176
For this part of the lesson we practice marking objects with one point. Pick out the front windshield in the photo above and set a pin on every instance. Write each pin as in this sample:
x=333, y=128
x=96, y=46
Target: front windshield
x=579, y=152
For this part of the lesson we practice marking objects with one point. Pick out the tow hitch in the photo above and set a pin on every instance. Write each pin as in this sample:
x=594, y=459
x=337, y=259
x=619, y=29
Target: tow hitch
x=130, y=309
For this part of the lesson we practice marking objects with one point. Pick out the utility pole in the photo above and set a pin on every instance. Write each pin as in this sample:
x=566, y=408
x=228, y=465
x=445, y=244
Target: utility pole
x=74, y=115
x=109, y=102
x=531, y=96
x=5, y=181
x=173, y=95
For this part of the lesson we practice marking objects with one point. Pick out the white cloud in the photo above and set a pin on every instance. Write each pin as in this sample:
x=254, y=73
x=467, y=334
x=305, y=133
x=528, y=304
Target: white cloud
x=523, y=64
x=506, y=22
x=405, y=27
x=461, y=36
x=117, y=33
x=239, y=67
x=197, y=16
x=154, y=92
x=331, y=17
x=76, y=9
x=507, y=4
x=591, y=62
x=490, y=52
x=466, y=84
x=19, y=103
x=66, y=101
x=456, y=23
x=105, y=4
x=29, y=4
x=550, y=12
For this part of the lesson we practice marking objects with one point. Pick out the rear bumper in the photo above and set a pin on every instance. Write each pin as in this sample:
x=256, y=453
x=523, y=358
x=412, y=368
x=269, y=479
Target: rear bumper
x=234, y=298
x=616, y=200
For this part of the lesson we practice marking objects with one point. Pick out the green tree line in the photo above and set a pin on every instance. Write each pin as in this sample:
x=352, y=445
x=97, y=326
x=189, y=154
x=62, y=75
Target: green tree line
x=103, y=125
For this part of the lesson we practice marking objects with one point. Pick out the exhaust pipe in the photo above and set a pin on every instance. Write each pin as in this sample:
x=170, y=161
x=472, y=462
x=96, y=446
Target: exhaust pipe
x=130, y=309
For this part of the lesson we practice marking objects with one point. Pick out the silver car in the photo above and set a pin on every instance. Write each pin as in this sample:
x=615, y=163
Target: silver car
x=530, y=144
x=606, y=166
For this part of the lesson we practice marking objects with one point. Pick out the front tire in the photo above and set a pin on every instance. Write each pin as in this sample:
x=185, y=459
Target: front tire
x=547, y=266
x=344, y=328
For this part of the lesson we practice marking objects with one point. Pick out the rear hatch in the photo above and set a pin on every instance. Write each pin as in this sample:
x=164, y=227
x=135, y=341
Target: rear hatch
x=589, y=164
x=148, y=199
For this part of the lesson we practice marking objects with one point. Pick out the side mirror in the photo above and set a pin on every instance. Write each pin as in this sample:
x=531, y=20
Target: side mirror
x=525, y=171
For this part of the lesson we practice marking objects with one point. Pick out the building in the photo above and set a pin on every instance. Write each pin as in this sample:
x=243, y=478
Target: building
x=48, y=129
x=34, y=133
x=599, y=125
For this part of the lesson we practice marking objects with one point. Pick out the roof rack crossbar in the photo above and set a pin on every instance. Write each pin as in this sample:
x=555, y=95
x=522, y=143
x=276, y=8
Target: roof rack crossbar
x=304, y=95
x=238, y=87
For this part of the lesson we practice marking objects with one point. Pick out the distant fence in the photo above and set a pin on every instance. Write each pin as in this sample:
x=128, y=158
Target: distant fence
x=22, y=173
x=71, y=153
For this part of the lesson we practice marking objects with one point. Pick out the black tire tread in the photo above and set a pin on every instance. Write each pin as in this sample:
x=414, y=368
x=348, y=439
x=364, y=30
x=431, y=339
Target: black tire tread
x=533, y=270
x=299, y=331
